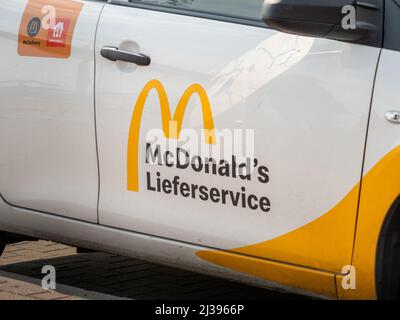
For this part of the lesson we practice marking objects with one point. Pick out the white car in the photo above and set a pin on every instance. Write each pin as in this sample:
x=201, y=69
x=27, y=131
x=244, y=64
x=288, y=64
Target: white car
x=256, y=142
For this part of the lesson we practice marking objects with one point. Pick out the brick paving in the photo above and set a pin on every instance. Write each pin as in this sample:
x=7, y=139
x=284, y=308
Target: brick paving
x=100, y=275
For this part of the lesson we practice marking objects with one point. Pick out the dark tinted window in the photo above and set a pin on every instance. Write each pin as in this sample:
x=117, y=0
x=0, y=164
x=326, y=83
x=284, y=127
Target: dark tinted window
x=245, y=9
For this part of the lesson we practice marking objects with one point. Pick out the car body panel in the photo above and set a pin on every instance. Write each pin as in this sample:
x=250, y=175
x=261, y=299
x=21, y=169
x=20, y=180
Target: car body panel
x=47, y=132
x=309, y=122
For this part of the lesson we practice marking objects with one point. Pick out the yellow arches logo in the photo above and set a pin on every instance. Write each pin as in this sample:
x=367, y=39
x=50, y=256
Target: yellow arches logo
x=171, y=125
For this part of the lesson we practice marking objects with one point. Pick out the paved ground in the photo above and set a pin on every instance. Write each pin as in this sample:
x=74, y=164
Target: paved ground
x=101, y=275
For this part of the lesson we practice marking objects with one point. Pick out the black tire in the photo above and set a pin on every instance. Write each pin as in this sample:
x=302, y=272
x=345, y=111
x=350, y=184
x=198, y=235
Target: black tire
x=2, y=244
x=388, y=256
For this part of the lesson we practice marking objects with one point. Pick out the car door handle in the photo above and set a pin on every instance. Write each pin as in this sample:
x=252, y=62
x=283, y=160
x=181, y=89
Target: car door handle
x=114, y=54
x=393, y=116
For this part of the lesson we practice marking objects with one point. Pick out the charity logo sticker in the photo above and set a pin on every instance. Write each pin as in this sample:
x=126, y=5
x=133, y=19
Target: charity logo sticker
x=47, y=28
x=33, y=27
x=57, y=35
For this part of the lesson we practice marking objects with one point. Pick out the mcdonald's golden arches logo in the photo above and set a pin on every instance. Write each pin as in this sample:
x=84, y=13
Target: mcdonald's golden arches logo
x=171, y=126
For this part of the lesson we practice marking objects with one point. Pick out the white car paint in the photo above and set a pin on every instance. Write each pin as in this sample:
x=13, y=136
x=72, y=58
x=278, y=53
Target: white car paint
x=47, y=138
x=384, y=136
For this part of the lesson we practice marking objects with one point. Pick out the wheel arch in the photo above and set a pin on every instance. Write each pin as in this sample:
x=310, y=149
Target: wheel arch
x=387, y=271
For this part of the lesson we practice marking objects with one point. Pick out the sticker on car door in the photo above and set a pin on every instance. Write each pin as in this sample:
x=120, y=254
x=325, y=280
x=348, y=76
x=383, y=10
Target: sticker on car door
x=47, y=28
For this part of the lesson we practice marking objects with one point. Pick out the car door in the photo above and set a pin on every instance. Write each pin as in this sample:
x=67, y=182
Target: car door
x=48, y=156
x=289, y=112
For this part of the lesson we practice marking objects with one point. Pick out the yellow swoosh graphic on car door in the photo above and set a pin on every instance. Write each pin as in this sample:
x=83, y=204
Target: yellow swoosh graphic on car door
x=327, y=242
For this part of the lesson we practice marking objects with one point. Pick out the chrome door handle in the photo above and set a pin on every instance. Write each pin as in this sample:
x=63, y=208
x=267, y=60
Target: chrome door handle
x=114, y=54
x=393, y=116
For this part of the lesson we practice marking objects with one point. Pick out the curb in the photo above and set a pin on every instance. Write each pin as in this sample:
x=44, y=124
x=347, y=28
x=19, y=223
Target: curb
x=63, y=289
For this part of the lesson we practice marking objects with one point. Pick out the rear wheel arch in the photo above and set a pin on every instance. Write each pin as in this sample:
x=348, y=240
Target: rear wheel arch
x=2, y=243
x=387, y=272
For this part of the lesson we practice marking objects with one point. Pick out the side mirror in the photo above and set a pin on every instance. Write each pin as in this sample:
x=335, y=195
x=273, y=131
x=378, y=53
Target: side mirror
x=356, y=21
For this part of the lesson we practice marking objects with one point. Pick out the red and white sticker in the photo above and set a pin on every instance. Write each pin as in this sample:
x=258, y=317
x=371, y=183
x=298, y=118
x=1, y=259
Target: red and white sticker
x=47, y=28
x=57, y=34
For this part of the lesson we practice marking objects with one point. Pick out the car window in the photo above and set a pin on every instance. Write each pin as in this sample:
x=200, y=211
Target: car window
x=245, y=9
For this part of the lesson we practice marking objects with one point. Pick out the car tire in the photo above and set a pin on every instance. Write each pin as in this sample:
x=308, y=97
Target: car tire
x=388, y=256
x=2, y=244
